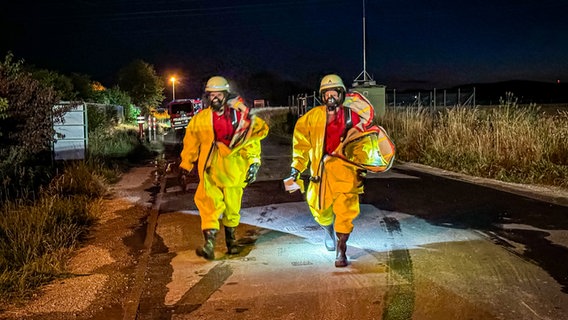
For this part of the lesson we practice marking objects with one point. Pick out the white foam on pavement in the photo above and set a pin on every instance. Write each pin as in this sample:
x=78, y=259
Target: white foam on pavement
x=371, y=231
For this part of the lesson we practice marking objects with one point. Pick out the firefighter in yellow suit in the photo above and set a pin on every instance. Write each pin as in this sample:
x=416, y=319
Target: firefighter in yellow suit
x=336, y=180
x=224, y=142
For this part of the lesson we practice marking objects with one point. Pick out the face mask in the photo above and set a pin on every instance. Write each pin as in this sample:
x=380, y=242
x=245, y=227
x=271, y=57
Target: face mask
x=216, y=104
x=331, y=103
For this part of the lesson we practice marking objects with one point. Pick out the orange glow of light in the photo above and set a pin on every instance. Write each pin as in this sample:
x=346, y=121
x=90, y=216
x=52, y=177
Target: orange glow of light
x=173, y=79
x=97, y=86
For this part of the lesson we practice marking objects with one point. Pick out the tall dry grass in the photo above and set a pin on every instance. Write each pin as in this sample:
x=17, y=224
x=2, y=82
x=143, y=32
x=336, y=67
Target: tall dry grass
x=115, y=142
x=36, y=237
x=509, y=143
x=279, y=119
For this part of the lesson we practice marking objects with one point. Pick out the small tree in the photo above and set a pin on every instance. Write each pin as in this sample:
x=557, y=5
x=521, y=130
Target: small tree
x=60, y=83
x=84, y=88
x=30, y=114
x=140, y=81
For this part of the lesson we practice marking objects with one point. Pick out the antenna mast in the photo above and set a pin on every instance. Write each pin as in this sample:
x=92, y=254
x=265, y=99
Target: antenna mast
x=364, y=77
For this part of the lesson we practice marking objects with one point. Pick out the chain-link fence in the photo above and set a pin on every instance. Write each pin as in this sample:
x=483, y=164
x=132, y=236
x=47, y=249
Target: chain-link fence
x=431, y=99
x=301, y=103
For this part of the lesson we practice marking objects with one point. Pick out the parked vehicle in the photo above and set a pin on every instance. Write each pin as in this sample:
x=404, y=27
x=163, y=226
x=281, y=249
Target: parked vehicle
x=180, y=112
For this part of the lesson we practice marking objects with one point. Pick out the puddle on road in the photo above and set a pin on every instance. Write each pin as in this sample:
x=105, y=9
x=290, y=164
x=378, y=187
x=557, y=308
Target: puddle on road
x=539, y=250
x=135, y=241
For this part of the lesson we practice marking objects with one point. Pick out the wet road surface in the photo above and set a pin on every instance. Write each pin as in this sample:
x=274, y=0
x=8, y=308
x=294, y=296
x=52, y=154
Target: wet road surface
x=425, y=246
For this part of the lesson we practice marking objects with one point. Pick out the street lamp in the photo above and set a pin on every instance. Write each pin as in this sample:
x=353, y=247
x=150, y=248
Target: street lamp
x=173, y=80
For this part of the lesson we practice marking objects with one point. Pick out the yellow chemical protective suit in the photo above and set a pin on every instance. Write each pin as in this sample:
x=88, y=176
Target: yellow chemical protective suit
x=335, y=183
x=222, y=169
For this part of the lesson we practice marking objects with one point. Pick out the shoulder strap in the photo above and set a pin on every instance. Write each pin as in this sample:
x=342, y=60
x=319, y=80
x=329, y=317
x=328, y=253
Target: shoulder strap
x=234, y=118
x=348, y=120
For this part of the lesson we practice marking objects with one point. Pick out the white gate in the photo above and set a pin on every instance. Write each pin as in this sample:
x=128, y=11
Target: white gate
x=71, y=137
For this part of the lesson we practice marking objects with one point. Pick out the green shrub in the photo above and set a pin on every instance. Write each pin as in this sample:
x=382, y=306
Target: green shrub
x=23, y=174
x=26, y=126
x=116, y=142
x=27, y=121
x=77, y=179
x=99, y=118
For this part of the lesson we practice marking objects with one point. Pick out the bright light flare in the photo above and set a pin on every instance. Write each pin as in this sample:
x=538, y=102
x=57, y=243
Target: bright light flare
x=173, y=80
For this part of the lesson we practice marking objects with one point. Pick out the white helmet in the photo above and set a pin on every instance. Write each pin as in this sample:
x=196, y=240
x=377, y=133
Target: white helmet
x=217, y=83
x=332, y=82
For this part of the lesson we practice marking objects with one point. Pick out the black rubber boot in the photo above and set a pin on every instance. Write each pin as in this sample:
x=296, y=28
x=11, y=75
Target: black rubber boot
x=231, y=241
x=208, y=249
x=330, y=240
x=341, y=258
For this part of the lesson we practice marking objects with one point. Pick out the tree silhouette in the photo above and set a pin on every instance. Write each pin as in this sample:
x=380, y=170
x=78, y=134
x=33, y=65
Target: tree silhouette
x=140, y=81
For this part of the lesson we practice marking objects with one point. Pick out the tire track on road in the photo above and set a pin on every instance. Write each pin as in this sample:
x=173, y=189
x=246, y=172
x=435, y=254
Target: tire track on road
x=401, y=296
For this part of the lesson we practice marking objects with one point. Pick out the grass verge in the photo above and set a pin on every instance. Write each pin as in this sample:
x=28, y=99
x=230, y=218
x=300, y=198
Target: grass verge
x=38, y=235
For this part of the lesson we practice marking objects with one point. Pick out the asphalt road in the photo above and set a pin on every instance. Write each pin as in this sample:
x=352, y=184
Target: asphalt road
x=427, y=245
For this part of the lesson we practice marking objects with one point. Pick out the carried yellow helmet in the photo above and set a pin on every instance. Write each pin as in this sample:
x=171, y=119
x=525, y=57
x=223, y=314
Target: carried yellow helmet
x=217, y=83
x=331, y=81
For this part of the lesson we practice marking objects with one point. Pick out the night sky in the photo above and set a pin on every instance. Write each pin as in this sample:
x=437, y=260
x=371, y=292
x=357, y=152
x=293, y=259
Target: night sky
x=410, y=43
